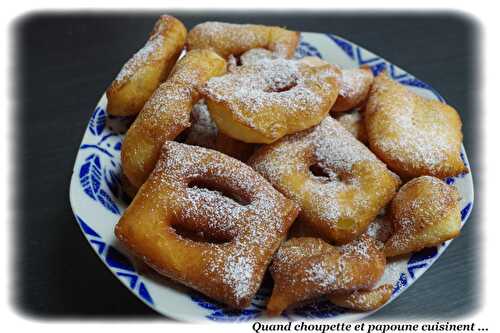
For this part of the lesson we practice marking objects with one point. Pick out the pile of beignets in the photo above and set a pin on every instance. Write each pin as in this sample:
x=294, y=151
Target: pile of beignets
x=242, y=160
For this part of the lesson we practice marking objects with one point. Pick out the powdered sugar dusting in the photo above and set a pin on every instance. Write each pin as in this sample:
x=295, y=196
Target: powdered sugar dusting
x=354, y=82
x=238, y=273
x=426, y=143
x=228, y=31
x=204, y=133
x=321, y=275
x=253, y=225
x=168, y=107
x=306, y=268
x=145, y=54
x=230, y=38
x=268, y=84
x=353, y=122
x=219, y=211
x=340, y=151
x=336, y=151
x=203, y=129
x=420, y=203
x=380, y=229
x=411, y=131
x=254, y=56
x=360, y=248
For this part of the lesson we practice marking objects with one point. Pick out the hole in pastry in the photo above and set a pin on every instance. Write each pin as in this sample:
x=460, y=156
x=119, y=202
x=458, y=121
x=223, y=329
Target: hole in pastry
x=318, y=173
x=222, y=189
x=183, y=135
x=281, y=86
x=200, y=236
x=237, y=60
x=233, y=62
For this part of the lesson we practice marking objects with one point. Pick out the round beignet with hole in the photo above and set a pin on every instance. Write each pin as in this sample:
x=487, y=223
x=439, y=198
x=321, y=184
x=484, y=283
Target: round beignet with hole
x=243, y=220
x=234, y=39
x=204, y=133
x=425, y=212
x=305, y=269
x=150, y=66
x=364, y=300
x=355, y=85
x=413, y=135
x=167, y=113
x=266, y=100
x=339, y=184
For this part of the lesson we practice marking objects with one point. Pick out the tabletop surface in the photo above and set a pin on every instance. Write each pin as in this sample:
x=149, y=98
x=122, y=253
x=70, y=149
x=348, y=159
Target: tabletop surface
x=63, y=64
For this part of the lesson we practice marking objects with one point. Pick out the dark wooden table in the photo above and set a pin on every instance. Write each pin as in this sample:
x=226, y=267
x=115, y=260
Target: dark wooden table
x=65, y=62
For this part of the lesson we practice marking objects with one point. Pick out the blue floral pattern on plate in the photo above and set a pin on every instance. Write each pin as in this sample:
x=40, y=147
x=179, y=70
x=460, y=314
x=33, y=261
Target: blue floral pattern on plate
x=98, y=201
x=119, y=264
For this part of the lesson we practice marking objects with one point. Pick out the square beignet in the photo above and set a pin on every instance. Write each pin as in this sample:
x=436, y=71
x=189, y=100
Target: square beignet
x=240, y=218
x=339, y=184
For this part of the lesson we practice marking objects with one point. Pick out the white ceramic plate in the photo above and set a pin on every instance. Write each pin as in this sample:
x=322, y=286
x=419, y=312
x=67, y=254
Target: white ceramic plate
x=98, y=202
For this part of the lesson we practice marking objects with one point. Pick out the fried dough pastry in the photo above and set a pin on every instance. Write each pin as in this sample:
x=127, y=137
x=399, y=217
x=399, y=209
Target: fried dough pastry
x=338, y=183
x=250, y=57
x=129, y=189
x=413, y=135
x=204, y=133
x=243, y=218
x=364, y=300
x=254, y=56
x=150, y=66
x=425, y=212
x=301, y=229
x=380, y=229
x=355, y=85
x=354, y=123
x=304, y=269
x=264, y=101
x=167, y=113
x=234, y=39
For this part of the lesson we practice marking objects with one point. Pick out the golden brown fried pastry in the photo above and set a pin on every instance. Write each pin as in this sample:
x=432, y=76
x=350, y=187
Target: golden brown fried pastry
x=264, y=101
x=318, y=62
x=144, y=72
x=242, y=217
x=167, y=113
x=127, y=187
x=254, y=56
x=304, y=269
x=425, y=212
x=380, y=229
x=355, y=85
x=354, y=123
x=204, y=133
x=234, y=39
x=302, y=229
x=338, y=183
x=250, y=57
x=413, y=135
x=364, y=300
